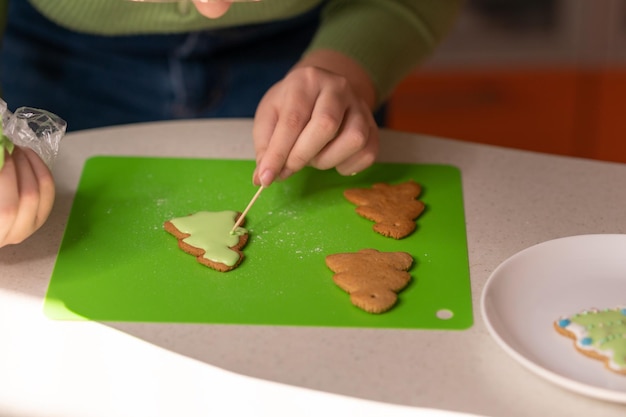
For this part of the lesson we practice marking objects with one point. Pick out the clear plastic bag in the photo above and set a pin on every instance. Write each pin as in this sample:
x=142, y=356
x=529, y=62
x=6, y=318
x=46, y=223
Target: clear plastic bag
x=36, y=129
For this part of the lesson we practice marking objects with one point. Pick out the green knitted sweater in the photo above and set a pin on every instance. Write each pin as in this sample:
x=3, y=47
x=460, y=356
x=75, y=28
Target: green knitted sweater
x=387, y=37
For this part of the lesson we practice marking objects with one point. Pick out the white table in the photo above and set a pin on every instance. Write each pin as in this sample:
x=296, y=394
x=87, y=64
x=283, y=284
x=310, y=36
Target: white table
x=513, y=200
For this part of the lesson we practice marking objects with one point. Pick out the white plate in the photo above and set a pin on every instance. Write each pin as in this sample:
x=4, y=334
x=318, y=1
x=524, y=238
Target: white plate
x=531, y=289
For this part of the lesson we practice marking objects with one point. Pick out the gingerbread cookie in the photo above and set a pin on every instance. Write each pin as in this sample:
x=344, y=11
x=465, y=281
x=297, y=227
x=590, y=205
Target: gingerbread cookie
x=207, y=236
x=599, y=334
x=372, y=278
x=393, y=208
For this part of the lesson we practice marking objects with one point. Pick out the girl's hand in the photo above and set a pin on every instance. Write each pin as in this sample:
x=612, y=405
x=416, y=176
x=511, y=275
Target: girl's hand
x=212, y=10
x=26, y=195
x=315, y=117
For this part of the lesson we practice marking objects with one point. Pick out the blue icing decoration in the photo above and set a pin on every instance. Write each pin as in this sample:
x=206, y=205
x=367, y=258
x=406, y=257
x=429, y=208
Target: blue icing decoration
x=564, y=322
x=586, y=341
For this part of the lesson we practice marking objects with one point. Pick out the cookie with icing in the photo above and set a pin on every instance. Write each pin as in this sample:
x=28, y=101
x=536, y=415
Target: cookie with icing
x=599, y=334
x=207, y=236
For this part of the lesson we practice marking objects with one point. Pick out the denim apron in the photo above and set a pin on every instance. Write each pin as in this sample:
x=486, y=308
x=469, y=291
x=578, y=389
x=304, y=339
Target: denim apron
x=93, y=81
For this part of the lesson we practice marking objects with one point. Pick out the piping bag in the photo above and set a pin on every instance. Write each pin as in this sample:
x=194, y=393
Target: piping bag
x=5, y=143
x=31, y=128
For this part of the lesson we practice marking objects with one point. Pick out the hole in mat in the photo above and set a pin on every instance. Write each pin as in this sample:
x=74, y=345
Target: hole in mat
x=444, y=314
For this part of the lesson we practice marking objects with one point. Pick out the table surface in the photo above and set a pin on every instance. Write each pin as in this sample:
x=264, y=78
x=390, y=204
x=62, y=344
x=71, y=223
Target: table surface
x=513, y=199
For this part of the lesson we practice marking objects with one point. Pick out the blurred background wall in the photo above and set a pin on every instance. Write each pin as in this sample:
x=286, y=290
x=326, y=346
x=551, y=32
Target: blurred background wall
x=543, y=75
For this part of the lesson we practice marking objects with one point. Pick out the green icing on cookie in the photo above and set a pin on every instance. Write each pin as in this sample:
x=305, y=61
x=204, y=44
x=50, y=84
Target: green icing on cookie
x=211, y=231
x=5, y=143
x=605, y=330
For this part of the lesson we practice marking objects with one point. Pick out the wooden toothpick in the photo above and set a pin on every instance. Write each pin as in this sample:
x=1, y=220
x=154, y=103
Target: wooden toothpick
x=243, y=214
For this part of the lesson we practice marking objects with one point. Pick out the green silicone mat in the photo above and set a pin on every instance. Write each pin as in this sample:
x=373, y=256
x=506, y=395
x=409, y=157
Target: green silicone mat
x=116, y=263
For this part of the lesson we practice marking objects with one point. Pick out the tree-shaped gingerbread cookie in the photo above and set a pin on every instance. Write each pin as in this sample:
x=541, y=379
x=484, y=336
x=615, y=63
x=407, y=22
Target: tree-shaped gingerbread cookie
x=393, y=208
x=207, y=236
x=372, y=278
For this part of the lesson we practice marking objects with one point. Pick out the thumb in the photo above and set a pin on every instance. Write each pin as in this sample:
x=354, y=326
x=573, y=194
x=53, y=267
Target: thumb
x=213, y=9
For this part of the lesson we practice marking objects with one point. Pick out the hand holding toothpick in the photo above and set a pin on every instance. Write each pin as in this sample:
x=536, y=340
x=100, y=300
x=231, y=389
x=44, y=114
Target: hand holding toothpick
x=243, y=214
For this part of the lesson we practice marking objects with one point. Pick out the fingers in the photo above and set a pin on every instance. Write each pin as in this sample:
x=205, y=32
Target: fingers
x=9, y=197
x=361, y=160
x=265, y=121
x=46, y=186
x=287, y=114
x=354, y=148
x=213, y=9
x=26, y=196
x=322, y=129
x=28, y=189
x=312, y=118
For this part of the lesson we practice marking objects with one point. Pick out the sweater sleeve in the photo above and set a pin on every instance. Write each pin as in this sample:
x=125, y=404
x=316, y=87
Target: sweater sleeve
x=387, y=37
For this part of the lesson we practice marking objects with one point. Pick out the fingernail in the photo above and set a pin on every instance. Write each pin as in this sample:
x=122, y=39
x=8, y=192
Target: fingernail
x=266, y=178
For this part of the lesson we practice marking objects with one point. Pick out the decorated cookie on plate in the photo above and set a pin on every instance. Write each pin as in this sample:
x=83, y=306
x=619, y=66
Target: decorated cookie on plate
x=599, y=334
